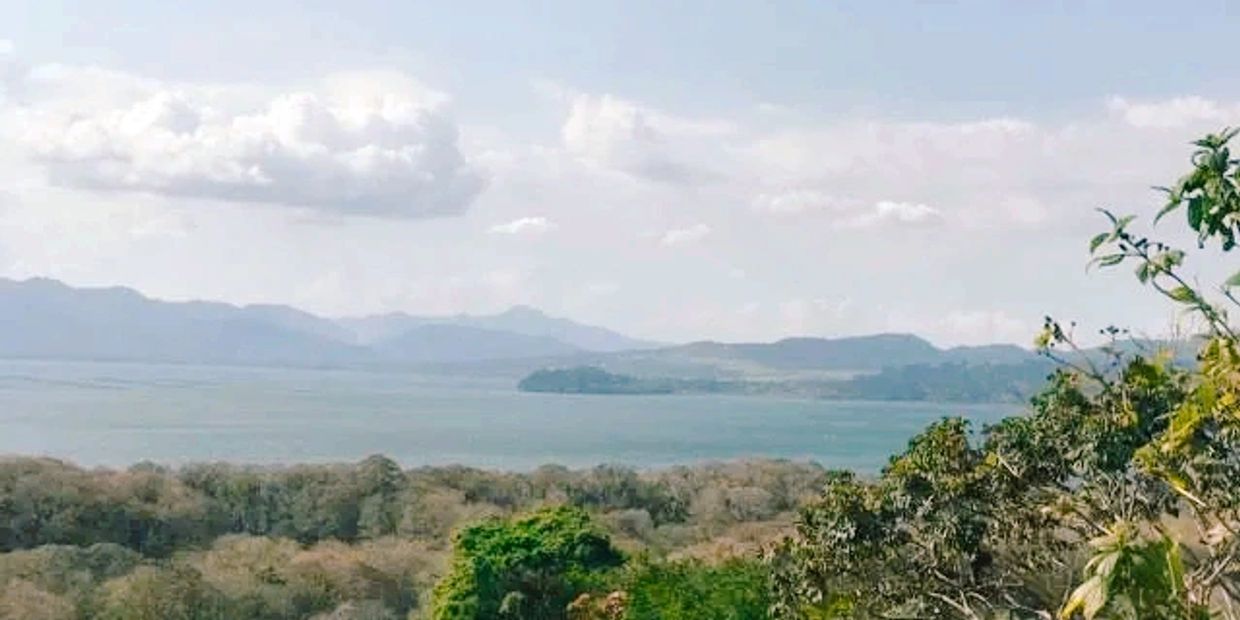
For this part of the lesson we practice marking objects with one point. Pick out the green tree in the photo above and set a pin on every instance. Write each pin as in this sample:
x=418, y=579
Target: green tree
x=528, y=568
x=686, y=590
x=151, y=593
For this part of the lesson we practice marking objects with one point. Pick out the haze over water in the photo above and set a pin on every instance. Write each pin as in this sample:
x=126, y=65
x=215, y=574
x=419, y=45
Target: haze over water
x=118, y=414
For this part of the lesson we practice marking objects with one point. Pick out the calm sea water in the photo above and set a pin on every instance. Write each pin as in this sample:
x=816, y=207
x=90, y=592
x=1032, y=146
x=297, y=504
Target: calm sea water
x=118, y=414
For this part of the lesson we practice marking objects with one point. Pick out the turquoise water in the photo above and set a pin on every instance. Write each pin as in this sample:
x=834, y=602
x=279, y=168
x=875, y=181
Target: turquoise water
x=118, y=414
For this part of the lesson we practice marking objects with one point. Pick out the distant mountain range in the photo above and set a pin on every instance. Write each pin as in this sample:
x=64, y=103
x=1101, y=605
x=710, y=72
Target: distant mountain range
x=522, y=320
x=851, y=354
x=43, y=318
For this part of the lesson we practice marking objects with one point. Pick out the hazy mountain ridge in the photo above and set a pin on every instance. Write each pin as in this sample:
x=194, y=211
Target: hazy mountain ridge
x=522, y=320
x=44, y=318
x=447, y=343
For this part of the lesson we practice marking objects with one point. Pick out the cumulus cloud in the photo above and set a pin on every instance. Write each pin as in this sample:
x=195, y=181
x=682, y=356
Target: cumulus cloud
x=685, y=236
x=886, y=212
x=620, y=134
x=813, y=316
x=1175, y=112
x=8, y=67
x=985, y=326
x=376, y=147
x=525, y=226
x=796, y=202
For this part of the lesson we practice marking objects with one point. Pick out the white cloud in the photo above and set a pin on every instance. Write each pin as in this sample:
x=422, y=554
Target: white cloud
x=366, y=144
x=8, y=67
x=887, y=212
x=804, y=317
x=620, y=134
x=685, y=236
x=796, y=202
x=986, y=326
x=965, y=326
x=1175, y=112
x=527, y=226
x=601, y=289
x=767, y=107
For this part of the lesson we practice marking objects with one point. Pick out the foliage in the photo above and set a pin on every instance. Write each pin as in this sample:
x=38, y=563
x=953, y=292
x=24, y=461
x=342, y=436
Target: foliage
x=529, y=568
x=689, y=590
x=335, y=541
x=592, y=380
x=1134, y=577
x=953, y=382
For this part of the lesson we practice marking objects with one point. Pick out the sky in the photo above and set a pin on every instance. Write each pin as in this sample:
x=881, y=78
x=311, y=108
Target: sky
x=673, y=170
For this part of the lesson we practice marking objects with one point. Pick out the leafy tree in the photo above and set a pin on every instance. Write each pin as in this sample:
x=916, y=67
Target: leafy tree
x=686, y=590
x=150, y=593
x=529, y=568
x=23, y=600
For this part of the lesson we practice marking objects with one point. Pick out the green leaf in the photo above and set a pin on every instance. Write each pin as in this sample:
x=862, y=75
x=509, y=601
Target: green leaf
x=1098, y=240
x=1089, y=598
x=1172, y=205
x=1110, y=259
x=1143, y=272
x=1234, y=280
x=1183, y=294
x=1196, y=209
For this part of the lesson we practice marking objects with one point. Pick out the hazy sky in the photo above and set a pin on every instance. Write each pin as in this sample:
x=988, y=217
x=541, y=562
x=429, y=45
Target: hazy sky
x=675, y=170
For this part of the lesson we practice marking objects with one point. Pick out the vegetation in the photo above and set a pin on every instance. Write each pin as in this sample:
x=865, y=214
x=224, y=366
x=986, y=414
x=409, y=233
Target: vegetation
x=957, y=382
x=945, y=382
x=368, y=540
x=592, y=380
x=526, y=568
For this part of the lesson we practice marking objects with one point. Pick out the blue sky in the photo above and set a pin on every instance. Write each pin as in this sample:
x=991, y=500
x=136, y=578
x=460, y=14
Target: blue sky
x=730, y=170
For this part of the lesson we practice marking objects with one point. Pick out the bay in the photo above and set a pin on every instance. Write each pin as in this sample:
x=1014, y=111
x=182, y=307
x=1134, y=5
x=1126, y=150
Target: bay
x=117, y=414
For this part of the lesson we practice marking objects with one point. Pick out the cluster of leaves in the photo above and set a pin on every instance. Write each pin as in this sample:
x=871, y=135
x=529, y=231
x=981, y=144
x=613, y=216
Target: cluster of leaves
x=1115, y=497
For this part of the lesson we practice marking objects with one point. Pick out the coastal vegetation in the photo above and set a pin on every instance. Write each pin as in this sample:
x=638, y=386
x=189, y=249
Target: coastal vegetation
x=958, y=382
x=371, y=540
x=592, y=380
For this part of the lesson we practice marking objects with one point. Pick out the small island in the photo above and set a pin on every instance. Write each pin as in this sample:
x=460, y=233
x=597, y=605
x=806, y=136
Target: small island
x=591, y=380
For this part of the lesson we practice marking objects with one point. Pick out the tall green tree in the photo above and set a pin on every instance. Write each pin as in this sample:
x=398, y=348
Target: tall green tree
x=528, y=568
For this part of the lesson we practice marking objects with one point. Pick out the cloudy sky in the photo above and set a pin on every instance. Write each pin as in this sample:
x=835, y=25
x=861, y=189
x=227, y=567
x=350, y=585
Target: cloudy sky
x=724, y=170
